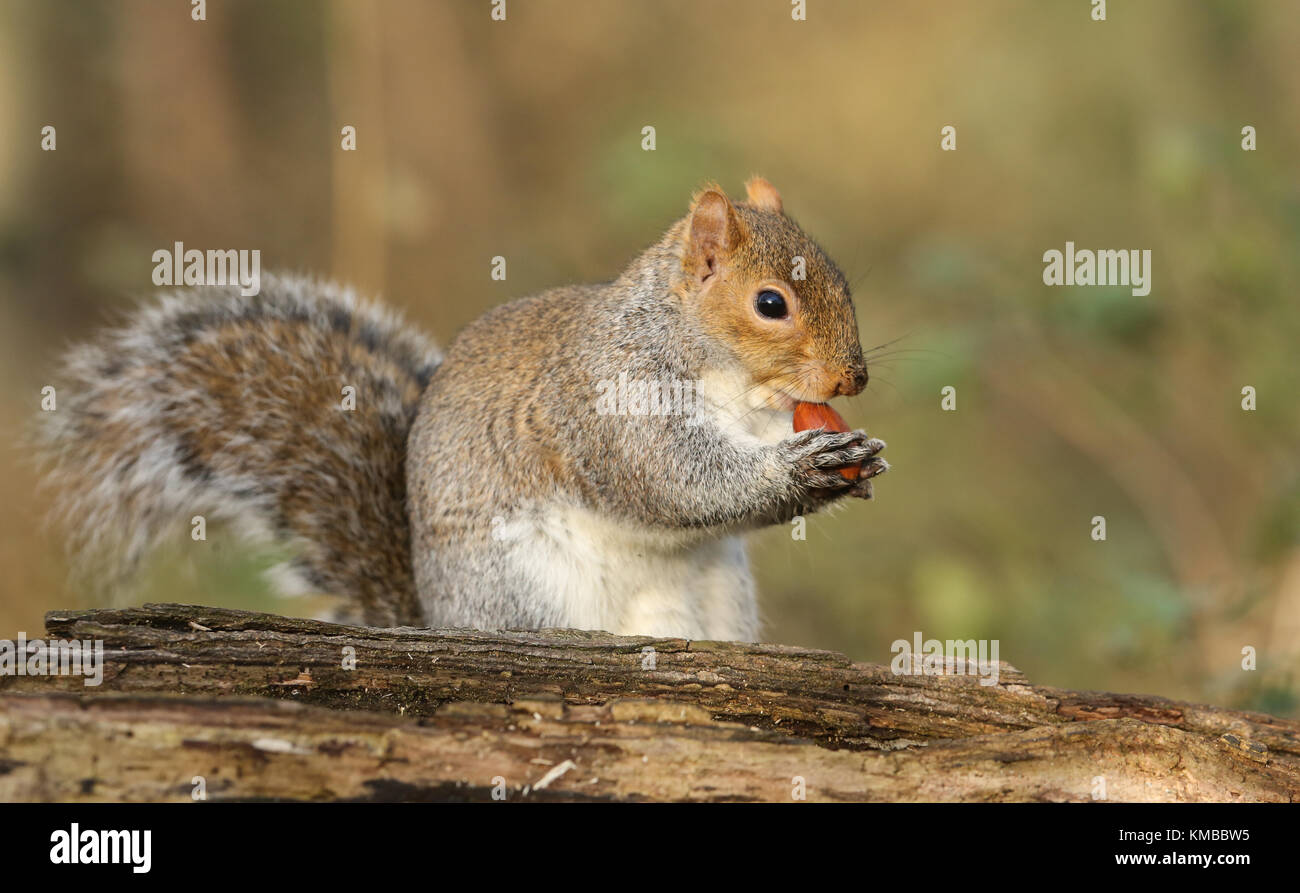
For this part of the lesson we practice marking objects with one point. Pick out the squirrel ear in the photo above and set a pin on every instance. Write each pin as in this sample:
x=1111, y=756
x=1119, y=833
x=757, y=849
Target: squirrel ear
x=715, y=231
x=763, y=195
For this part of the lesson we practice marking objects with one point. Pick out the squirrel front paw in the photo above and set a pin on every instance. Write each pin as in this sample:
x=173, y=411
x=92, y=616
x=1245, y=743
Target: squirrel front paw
x=816, y=456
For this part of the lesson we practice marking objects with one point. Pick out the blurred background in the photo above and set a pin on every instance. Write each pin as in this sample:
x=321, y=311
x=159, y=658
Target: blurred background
x=523, y=138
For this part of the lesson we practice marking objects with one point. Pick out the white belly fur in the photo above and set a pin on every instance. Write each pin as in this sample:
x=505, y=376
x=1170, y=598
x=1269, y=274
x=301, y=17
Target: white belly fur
x=604, y=575
x=744, y=411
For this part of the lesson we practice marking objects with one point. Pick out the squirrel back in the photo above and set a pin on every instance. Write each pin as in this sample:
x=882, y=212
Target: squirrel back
x=208, y=403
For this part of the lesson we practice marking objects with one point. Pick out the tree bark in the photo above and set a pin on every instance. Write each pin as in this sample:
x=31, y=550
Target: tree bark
x=195, y=693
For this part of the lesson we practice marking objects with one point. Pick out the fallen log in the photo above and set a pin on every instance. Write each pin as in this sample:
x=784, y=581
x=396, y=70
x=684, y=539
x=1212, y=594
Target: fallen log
x=191, y=692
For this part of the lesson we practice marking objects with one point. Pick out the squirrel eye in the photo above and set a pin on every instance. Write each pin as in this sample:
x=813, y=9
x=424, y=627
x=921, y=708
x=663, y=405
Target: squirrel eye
x=771, y=304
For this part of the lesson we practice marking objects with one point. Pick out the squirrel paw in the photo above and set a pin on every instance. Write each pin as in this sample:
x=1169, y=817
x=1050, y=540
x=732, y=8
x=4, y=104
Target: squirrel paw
x=817, y=455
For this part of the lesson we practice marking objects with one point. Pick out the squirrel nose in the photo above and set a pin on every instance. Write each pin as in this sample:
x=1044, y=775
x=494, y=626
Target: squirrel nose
x=852, y=381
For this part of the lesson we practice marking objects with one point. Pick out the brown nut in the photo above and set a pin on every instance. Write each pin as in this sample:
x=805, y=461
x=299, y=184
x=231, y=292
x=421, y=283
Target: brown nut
x=821, y=415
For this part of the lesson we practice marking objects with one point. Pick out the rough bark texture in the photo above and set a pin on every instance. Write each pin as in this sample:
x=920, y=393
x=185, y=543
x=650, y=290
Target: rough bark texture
x=261, y=706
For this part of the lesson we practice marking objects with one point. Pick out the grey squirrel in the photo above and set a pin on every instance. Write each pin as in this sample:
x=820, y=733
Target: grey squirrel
x=484, y=488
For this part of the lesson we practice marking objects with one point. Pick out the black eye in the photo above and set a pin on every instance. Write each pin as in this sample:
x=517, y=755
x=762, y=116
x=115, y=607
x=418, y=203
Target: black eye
x=771, y=304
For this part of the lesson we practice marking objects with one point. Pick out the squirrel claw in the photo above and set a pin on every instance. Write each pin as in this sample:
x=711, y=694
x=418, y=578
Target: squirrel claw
x=863, y=489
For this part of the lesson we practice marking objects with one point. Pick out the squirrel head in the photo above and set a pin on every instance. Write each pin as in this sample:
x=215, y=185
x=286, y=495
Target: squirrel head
x=753, y=280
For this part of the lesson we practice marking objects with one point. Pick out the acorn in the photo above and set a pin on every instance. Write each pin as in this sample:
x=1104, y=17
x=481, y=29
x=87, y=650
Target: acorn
x=821, y=415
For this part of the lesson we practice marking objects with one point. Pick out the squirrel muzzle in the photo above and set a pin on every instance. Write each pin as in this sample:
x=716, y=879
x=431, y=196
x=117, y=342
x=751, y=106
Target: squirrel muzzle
x=852, y=380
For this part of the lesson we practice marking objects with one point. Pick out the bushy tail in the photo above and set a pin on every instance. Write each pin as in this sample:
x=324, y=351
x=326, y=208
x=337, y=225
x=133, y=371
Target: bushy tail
x=284, y=414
